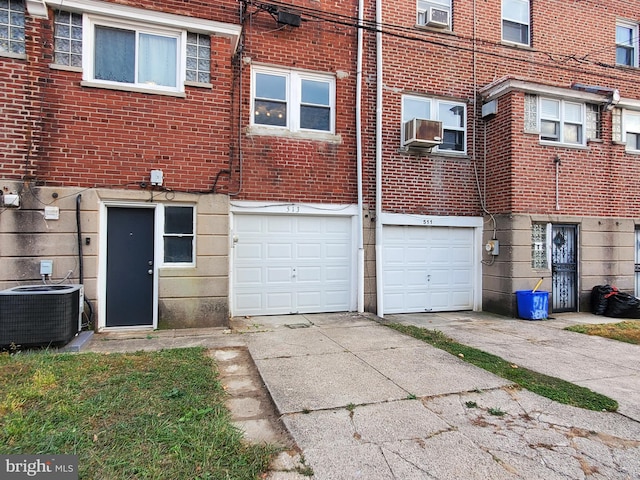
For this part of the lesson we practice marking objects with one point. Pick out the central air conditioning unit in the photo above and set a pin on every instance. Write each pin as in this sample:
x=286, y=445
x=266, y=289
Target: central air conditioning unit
x=40, y=315
x=435, y=17
x=422, y=133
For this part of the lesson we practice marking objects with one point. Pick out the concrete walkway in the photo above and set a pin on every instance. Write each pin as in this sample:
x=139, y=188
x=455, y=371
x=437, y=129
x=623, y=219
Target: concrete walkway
x=363, y=401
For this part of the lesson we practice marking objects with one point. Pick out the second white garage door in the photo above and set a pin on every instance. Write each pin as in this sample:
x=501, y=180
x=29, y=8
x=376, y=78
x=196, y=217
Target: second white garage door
x=292, y=264
x=427, y=269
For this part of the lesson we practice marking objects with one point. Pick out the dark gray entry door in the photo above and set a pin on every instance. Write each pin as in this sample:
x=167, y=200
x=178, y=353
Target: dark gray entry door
x=129, y=293
x=564, y=267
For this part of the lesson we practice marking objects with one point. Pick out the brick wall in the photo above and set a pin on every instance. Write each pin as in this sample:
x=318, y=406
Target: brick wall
x=81, y=136
x=294, y=168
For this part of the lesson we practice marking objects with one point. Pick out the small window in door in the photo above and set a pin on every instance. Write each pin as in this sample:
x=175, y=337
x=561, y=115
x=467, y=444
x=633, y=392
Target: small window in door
x=179, y=235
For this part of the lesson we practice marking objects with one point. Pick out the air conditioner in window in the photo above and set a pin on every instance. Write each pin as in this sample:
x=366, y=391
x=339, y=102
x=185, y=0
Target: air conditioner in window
x=436, y=17
x=422, y=133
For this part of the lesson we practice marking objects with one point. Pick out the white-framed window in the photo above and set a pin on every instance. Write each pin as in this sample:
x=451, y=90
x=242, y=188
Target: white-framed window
x=127, y=54
x=631, y=130
x=179, y=235
x=144, y=56
x=516, y=21
x=562, y=121
x=436, y=13
x=12, y=13
x=452, y=114
x=627, y=44
x=293, y=100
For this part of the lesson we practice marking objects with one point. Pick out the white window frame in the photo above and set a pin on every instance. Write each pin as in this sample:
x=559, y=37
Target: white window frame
x=627, y=129
x=562, y=121
x=434, y=114
x=422, y=7
x=512, y=20
x=293, y=98
x=635, y=42
x=164, y=235
x=88, y=52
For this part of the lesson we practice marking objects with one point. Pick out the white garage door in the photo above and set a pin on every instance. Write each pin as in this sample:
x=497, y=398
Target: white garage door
x=292, y=264
x=427, y=269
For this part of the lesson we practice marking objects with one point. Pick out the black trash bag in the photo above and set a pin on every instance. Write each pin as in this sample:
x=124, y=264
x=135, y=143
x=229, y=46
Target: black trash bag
x=599, y=298
x=623, y=305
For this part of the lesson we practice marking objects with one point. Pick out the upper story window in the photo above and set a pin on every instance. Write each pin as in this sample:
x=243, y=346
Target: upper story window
x=516, y=21
x=179, y=238
x=136, y=49
x=67, y=45
x=453, y=116
x=435, y=13
x=135, y=55
x=562, y=121
x=293, y=100
x=627, y=44
x=631, y=130
x=12, y=27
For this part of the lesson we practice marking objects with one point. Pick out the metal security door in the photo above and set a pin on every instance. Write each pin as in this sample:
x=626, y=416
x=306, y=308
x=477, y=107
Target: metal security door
x=564, y=264
x=637, y=266
x=130, y=270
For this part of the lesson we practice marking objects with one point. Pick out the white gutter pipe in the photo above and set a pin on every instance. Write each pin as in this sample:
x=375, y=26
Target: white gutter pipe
x=360, y=273
x=379, y=245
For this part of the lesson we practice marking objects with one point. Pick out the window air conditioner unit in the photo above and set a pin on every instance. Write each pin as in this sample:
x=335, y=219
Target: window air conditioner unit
x=437, y=17
x=422, y=133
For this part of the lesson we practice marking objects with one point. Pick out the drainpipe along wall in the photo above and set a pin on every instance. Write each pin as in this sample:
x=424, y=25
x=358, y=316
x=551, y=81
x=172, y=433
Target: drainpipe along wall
x=379, y=246
x=359, y=160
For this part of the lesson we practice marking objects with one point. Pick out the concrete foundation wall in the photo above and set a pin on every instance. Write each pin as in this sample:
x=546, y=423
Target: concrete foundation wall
x=606, y=255
x=188, y=297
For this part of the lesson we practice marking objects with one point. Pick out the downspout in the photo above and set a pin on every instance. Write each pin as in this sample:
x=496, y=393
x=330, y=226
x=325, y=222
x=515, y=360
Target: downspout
x=80, y=255
x=379, y=292
x=360, y=272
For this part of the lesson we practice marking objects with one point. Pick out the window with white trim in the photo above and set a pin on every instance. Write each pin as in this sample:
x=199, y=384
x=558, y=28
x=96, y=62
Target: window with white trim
x=125, y=53
x=627, y=44
x=293, y=100
x=562, y=121
x=178, y=235
x=435, y=13
x=631, y=129
x=453, y=116
x=12, y=13
x=516, y=21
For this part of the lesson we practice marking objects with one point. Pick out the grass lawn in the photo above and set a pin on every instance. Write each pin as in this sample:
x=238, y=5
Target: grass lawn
x=145, y=415
x=544, y=385
x=627, y=331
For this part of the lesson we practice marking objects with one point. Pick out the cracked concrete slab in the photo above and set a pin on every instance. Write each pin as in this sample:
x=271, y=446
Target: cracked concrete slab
x=324, y=381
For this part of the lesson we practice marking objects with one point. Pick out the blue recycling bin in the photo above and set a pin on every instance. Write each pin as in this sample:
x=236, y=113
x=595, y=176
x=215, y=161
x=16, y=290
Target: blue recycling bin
x=532, y=305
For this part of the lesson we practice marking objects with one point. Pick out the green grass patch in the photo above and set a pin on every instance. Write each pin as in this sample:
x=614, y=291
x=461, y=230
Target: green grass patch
x=627, y=331
x=549, y=387
x=144, y=415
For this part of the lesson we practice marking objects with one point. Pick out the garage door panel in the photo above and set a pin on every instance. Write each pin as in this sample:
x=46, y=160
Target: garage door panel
x=249, y=251
x=249, y=275
x=427, y=268
x=293, y=263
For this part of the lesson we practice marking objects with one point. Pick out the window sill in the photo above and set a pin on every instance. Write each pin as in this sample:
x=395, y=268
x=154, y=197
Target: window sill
x=633, y=152
x=129, y=88
x=283, y=132
x=520, y=46
x=68, y=68
x=198, y=84
x=428, y=28
x=17, y=56
x=563, y=145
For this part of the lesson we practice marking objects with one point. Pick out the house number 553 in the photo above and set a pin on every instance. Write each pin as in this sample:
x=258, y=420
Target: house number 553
x=293, y=208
